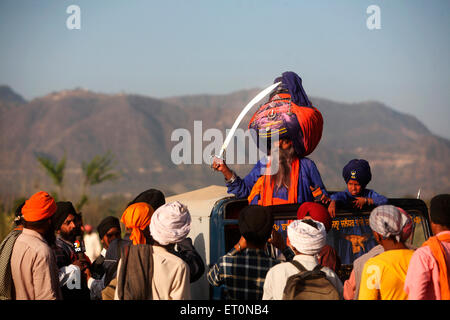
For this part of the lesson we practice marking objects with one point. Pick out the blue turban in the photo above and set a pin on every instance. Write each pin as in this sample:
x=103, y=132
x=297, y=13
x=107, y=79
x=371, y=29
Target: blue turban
x=293, y=84
x=359, y=170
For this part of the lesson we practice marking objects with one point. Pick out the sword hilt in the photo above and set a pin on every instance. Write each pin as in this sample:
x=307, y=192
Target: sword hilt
x=217, y=159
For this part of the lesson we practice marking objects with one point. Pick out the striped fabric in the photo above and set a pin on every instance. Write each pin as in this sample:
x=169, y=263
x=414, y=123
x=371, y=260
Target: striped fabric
x=388, y=221
x=242, y=273
x=6, y=282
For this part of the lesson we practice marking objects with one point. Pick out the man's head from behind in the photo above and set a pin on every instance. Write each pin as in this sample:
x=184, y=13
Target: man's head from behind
x=440, y=213
x=154, y=197
x=18, y=217
x=170, y=224
x=256, y=224
x=390, y=223
x=315, y=211
x=37, y=213
x=307, y=236
x=136, y=219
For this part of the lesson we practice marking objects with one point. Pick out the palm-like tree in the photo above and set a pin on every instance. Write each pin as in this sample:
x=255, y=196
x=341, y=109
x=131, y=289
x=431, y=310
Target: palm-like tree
x=55, y=170
x=96, y=171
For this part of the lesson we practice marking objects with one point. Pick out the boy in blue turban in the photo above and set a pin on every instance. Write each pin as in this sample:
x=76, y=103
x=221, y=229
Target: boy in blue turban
x=356, y=175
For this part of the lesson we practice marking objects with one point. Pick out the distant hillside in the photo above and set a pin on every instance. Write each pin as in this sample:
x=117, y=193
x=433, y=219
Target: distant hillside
x=404, y=155
x=9, y=99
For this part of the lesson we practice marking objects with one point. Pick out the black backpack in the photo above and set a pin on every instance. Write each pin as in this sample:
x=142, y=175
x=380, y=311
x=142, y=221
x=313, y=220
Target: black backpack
x=309, y=285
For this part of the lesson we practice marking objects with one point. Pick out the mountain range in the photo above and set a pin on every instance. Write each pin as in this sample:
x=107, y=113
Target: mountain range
x=404, y=155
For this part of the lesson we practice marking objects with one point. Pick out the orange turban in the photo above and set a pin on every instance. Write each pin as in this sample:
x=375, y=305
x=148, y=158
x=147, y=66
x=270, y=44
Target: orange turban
x=39, y=207
x=137, y=217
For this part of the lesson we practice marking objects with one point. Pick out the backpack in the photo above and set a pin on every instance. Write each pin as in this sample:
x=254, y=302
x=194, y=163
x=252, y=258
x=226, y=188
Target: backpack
x=309, y=285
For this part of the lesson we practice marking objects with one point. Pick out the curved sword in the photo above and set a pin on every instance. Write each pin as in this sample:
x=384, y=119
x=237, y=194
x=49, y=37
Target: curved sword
x=255, y=100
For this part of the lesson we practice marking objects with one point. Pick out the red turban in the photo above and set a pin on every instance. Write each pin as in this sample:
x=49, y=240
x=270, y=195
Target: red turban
x=39, y=207
x=317, y=212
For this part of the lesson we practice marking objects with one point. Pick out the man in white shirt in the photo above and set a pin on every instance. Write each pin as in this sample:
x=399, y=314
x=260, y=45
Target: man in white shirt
x=91, y=242
x=307, y=237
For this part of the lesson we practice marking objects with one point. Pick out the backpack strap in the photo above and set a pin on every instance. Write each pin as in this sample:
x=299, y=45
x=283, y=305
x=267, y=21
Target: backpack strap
x=317, y=268
x=298, y=265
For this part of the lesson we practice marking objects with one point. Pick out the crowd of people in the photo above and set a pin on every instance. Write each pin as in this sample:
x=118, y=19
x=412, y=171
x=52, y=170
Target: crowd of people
x=393, y=270
x=390, y=270
x=44, y=257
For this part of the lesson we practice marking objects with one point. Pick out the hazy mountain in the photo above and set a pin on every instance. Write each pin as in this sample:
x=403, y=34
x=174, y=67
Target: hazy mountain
x=9, y=99
x=403, y=153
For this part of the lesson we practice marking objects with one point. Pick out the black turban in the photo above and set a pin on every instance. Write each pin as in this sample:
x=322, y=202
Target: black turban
x=63, y=209
x=153, y=197
x=359, y=170
x=106, y=224
x=440, y=209
x=255, y=224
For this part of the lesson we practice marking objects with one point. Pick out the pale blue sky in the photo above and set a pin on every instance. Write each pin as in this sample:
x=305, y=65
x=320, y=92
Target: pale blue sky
x=174, y=47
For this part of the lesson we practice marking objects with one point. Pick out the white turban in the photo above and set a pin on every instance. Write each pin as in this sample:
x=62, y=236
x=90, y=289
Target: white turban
x=305, y=238
x=170, y=223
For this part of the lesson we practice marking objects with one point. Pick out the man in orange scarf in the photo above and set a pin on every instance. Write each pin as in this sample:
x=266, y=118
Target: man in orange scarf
x=296, y=180
x=428, y=271
x=147, y=270
x=286, y=175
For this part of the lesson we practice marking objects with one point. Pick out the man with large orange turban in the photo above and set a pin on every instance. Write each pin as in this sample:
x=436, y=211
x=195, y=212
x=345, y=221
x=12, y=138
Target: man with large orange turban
x=33, y=264
x=147, y=269
x=136, y=218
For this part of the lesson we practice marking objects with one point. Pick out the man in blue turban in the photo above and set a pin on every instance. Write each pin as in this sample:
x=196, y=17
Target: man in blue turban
x=357, y=175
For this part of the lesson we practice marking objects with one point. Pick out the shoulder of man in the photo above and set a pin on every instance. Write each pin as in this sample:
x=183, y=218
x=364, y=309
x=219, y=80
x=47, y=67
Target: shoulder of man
x=305, y=161
x=372, y=253
x=32, y=242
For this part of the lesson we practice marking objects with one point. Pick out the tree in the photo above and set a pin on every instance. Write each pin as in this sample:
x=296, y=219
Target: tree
x=55, y=170
x=98, y=170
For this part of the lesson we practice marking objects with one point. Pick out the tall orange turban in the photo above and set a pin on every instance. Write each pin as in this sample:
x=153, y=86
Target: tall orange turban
x=137, y=218
x=40, y=206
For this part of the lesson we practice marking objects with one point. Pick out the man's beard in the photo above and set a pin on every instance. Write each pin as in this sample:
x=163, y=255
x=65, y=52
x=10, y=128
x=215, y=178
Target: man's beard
x=68, y=236
x=281, y=161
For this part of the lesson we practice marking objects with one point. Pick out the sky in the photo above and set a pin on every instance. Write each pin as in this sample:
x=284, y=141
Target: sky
x=174, y=47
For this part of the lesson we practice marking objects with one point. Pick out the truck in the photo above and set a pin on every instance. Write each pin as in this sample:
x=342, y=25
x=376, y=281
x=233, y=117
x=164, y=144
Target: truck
x=214, y=229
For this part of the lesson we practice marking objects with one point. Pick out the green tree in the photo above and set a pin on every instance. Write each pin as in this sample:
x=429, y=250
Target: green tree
x=55, y=171
x=6, y=221
x=96, y=171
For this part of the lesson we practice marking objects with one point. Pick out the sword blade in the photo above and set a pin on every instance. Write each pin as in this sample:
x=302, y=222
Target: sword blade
x=255, y=100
